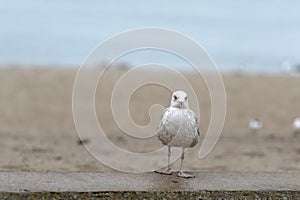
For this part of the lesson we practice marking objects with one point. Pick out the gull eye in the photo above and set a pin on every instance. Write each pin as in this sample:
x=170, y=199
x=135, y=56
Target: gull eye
x=175, y=97
x=185, y=98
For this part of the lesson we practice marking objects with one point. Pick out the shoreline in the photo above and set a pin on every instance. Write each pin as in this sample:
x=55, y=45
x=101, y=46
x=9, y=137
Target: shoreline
x=125, y=66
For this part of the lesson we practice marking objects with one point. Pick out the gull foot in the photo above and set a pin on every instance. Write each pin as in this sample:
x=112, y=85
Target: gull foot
x=166, y=171
x=184, y=175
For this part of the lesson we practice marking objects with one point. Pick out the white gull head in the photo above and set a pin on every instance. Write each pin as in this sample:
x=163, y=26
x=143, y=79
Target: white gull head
x=179, y=100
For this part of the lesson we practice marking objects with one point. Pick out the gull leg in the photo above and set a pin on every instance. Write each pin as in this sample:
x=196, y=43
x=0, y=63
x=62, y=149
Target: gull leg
x=168, y=169
x=181, y=173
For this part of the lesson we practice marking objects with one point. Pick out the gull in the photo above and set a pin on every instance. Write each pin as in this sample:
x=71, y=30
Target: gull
x=255, y=125
x=178, y=128
x=286, y=67
x=296, y=126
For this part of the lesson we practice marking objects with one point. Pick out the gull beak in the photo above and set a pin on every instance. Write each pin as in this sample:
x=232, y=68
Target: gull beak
x=180, y=103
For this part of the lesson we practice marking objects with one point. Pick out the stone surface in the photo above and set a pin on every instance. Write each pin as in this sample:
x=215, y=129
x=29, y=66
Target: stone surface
x=53, y=185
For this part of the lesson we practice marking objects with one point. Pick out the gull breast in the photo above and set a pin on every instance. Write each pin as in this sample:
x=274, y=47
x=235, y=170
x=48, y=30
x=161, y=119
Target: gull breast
x=179, y=128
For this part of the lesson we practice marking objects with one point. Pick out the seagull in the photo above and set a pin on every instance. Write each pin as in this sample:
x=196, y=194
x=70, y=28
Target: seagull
x=296, y=125
x=255, y=125
x=178, y=128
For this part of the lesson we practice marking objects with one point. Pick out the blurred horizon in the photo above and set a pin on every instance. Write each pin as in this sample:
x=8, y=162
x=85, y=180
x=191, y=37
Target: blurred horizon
x=254, y=36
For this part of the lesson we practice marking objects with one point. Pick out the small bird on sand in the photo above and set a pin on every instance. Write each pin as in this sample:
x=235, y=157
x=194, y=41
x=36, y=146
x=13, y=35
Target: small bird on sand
x=178, y=128
x=255, y=125
x=296, y=126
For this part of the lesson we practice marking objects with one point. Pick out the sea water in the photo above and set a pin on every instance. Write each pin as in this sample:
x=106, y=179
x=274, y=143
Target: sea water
x=259, y=36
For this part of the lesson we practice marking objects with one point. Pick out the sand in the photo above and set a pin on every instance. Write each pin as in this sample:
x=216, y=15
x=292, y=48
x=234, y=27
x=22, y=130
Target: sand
x=38, y=133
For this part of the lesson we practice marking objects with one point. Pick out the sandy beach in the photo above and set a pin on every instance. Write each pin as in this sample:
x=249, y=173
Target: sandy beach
x=38, y=133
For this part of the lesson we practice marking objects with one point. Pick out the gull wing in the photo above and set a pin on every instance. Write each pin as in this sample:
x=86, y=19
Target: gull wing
x=162, y=123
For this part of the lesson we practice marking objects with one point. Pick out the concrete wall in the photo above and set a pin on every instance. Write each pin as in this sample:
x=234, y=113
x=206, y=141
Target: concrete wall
x=51, y=185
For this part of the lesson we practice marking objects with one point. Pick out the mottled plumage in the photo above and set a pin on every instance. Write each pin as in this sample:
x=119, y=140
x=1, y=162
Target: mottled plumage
x=178, y=128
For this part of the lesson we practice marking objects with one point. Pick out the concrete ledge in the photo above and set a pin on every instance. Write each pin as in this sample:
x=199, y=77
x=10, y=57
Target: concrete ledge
x=51, y=185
